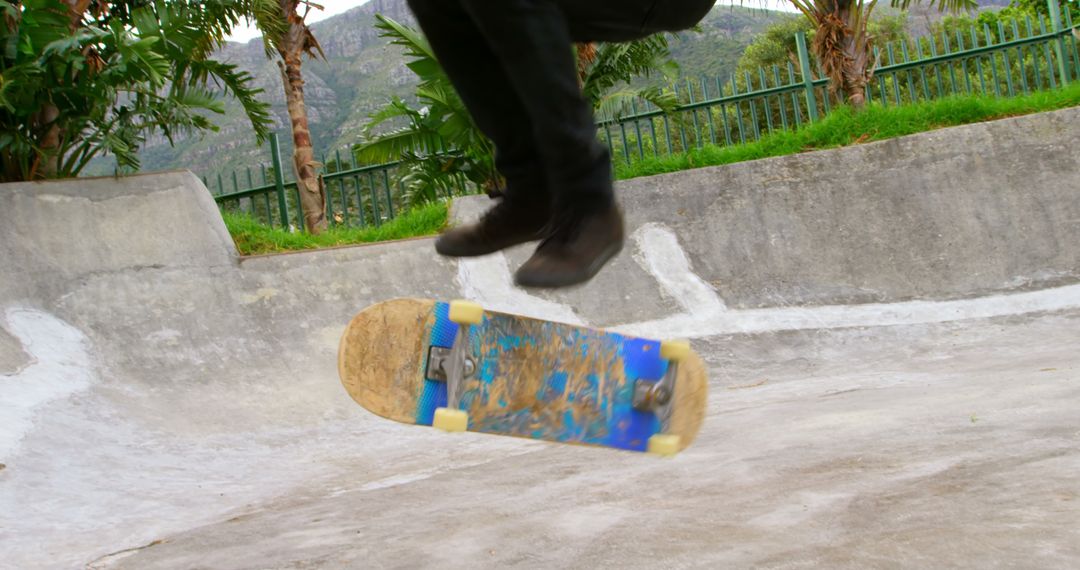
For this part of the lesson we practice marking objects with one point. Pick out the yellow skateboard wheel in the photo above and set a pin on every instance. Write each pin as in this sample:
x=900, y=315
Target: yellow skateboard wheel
x=674, y=350
x=664, y=445
x=466, y=313
x=450, y=420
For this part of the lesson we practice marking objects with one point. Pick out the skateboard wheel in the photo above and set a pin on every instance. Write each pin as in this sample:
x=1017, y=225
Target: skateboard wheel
x=664, y=445
x=451, y=420
x=466, y=313
x=674, y=350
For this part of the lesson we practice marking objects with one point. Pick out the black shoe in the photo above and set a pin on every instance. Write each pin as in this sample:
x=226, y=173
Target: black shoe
x=577, y=247
x=505, y=225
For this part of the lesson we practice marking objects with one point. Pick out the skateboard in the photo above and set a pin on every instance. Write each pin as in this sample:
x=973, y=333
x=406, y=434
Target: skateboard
x=458, y=367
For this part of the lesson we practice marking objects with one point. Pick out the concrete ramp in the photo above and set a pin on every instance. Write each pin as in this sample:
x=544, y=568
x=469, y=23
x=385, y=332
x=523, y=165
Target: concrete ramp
x=892, y=332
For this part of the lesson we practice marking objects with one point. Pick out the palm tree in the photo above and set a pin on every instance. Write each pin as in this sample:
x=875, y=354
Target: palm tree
x=842, y=45
x=287, y=35
x=443, y=149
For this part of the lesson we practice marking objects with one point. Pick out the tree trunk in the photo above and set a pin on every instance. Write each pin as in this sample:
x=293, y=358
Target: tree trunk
x=49, y=144
x=843, y=47
x=49, y=154
x=294, y=44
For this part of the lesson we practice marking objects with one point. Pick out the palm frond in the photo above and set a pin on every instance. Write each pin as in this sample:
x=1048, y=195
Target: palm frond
x=617, y=63
x=390, y=147
x=617, y=102
x=423, y=63
x=267, y=17
x=394, y=110
x=239, y=84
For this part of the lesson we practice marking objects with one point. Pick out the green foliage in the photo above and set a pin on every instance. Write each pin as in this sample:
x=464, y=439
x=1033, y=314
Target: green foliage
x=844, y=127
x=439, y=145
x=888, y=28
x=1018, y=10
x=1040, y=7
x=253, y=238
x=609, y=80
x=776, y=46
x=74, y=86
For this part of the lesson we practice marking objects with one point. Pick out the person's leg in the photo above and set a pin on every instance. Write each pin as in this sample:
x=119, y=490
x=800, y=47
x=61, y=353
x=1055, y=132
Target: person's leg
x=533, y=40
x=479, y=79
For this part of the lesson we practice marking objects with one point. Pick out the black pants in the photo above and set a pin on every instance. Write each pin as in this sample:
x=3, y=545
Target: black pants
x=512, y=63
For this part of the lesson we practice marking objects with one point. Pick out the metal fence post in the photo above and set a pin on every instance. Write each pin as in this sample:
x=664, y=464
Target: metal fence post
x=808, y=79
x=279, y=181
x=1059, y=45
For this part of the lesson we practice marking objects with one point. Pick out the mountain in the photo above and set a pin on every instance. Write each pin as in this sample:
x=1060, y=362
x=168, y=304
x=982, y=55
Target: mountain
x=361, y=73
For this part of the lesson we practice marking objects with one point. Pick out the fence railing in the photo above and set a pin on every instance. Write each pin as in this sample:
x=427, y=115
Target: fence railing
x=1013, y=57
x=354, y=196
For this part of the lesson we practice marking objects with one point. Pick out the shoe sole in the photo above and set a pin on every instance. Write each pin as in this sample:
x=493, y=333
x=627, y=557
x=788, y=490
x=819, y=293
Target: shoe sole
x=577, y=279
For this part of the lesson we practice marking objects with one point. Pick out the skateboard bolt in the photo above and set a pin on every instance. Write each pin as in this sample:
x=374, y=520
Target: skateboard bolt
x=660, y=395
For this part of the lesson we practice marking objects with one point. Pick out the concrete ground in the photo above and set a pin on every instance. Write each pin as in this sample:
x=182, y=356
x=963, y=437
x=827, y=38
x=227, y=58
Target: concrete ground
x=908, y=400
x=919, y=446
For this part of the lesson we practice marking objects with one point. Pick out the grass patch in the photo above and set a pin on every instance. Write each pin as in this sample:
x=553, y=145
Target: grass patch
x=253, y=237
x=843, y=127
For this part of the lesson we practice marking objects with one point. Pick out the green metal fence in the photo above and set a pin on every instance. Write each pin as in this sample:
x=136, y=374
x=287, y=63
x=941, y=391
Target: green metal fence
x=1014, y=57
x=362, y=196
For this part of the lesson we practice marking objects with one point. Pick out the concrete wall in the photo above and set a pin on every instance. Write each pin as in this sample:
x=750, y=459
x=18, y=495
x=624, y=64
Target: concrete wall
x=959, y=212
x=55, y=233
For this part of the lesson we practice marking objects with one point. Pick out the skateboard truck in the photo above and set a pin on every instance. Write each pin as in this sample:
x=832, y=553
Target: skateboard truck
x=657, y=396
x=453, y=365
x=438, y=363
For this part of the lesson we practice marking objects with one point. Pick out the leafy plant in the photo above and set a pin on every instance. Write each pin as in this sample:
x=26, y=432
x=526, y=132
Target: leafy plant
x=609, y=72
x=83, y=78
x=440, y=146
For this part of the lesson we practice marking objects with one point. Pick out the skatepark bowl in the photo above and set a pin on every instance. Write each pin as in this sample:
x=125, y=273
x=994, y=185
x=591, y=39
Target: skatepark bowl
x=892, y=332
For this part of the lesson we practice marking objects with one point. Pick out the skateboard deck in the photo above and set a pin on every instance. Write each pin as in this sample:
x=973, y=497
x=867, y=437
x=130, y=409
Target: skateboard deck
x=526, y=377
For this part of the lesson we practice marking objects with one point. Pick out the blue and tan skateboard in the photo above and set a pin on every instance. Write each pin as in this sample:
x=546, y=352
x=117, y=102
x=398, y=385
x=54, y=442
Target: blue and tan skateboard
x=458, y=367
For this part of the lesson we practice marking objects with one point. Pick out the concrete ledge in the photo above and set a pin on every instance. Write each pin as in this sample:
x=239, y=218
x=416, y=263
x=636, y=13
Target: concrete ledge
x=63, y=230
x=959, y=212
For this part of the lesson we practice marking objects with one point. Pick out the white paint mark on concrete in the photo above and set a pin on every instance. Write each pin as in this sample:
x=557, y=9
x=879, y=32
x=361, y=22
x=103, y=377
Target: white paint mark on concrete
x=487, y=280
x=705, y=316
x=54, y=198
x=868, y=315
x=166, y=337
x=61, y=367
x=659, y=253
x=262, y=294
